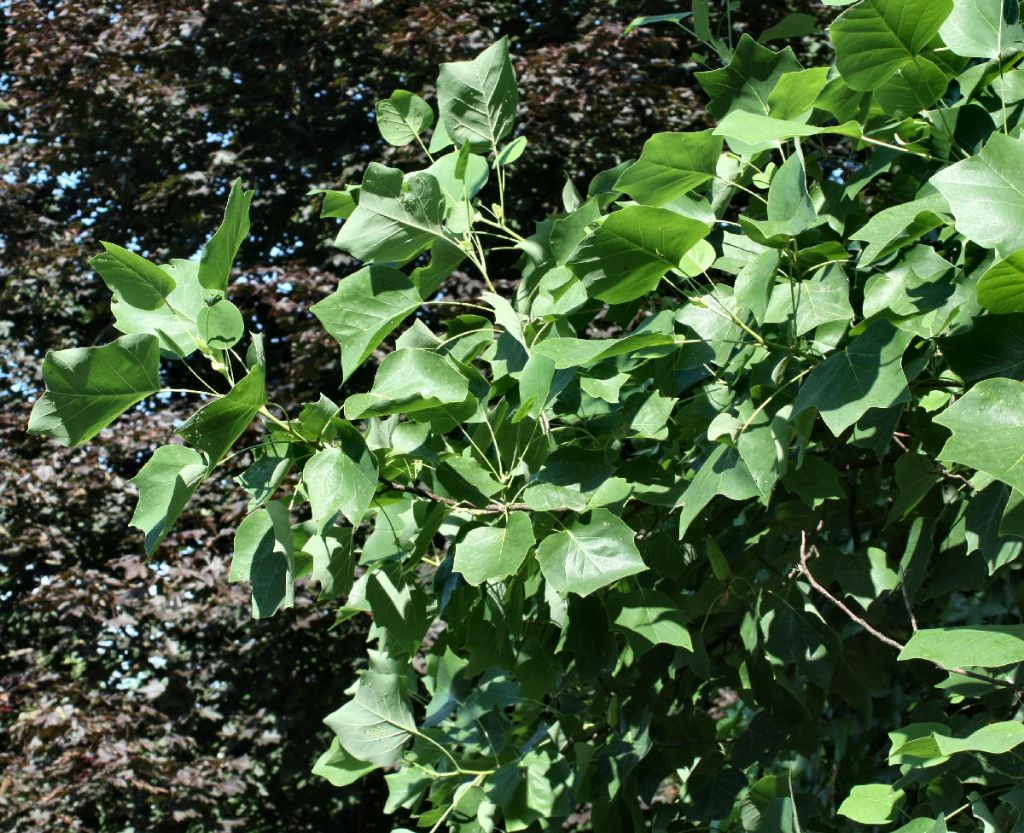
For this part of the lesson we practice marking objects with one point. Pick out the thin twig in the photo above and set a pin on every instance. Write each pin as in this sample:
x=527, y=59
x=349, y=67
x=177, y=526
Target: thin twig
x=805, y=571
x=491, y=508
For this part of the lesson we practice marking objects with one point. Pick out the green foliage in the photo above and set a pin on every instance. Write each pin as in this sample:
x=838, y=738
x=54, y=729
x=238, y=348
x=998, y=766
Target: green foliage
x=642, y=534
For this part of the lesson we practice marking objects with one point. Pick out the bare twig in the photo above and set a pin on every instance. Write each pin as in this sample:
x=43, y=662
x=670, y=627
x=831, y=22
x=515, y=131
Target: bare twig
x=906, y=601
x=805, y=570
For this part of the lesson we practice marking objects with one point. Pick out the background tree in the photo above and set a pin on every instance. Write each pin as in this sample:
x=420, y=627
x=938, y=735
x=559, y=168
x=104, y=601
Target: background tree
x=136, y=694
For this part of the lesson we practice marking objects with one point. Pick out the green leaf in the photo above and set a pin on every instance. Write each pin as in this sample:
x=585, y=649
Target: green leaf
x=985, y=646
x=749, y=78
x=872, y=803
x=867, y=374
x=986, y=195
x=670, y=165
x=407, y=381
x=270, y=464
x=403, y=117
x=461, y=176
x=263, y=556
x=1001, y=288
x=214, y=428
x=876, y=39
x=398, y=612
x=511, y=152
x=582, y=352
x=397, y=217
x=648, y=20
x=364, y=309
x=220, y=324
x=341, y=477
x=478, y=98
x=895, y=227
x=333, y=562
x=630, y=252
x=375, y=724
x=652, y=616
x=982, y=28
x=132, y=278
x=588, y=556
x=794, y=25
x=165, y=484
x=722, y=473
x=174, y=321
x=87, y=388
x=994, y=739
x=789, y=205
x=339, y=767
x=494, y=552
x=988, y=430
x=822, y=298
x=754, y=129
x=219, y=253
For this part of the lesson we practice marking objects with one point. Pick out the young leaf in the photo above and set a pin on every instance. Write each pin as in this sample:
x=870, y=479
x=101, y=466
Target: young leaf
x=988, y=430
x=219, y=253
x=364, y=309
x=220, y=324
x=87, y=388
x=630, y=252
x=165, y=485
x=397, y=217
x=478, y=98
x=670, y=165
x=341, y=477
x=263, y=557
x=588, y=556
x=511, y=152
x=375, y=724
x=214, y=428
x=403, y=117
x=494, y=552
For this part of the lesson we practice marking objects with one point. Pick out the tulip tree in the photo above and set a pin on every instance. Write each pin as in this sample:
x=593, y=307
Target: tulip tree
x=709, y=519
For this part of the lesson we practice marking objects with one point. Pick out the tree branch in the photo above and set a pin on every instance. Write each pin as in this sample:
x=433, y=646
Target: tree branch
x=805, y=571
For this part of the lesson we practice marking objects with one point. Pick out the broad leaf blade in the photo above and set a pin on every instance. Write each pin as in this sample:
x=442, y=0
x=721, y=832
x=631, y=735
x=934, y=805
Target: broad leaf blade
x=488, y=553
x=589, y=556
x=477, y=99
x=263, y=557
x=165, y=484
x=87, y=388
x=375, y=724
x=364, y=309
